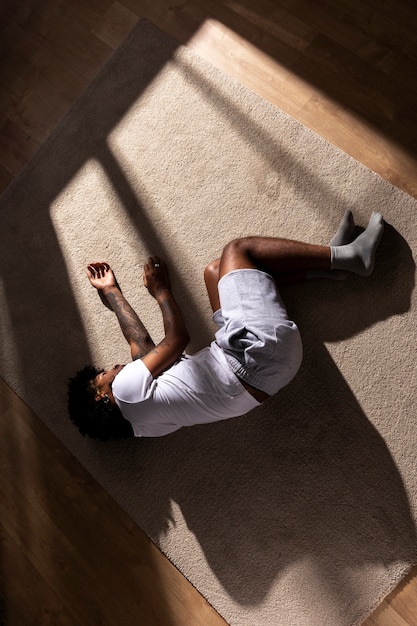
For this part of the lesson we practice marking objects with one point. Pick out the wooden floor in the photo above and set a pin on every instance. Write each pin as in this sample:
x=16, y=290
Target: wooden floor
x=346, y=69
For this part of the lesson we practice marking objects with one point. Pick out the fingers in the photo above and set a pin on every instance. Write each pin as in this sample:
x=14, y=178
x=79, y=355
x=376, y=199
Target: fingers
x=153, y=263
x=153, y=267
x=98, y=270
x=155, y=275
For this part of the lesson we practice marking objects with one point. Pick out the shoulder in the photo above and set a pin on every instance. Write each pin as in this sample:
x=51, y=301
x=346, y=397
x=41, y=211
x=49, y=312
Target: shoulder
x=133, y=383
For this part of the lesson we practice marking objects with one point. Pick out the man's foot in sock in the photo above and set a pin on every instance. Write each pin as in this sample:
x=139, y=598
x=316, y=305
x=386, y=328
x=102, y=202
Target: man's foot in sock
x=359, y=256
x=345, y=234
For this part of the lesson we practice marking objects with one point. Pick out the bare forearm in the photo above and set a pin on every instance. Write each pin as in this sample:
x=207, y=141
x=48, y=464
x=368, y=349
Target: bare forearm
x=174, y=324
x=176, y=336
x=132, y=327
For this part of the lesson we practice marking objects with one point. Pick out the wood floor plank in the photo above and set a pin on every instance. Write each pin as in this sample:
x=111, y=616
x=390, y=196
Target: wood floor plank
x=35, y=62
x=390, y=160
x=115, y=24
x=273, y=19
x=30, y=600
x=17, y=146
x=400, y=607
x=358, y=28
x=84, y=53
x=358, y=86
x=85, y=556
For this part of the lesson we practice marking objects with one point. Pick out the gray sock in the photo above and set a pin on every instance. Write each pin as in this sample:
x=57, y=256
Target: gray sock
x=359, y=255
x=345, y=234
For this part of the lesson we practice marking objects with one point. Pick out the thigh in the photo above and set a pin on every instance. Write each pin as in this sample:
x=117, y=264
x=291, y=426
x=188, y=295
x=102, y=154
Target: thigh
x=262, y=345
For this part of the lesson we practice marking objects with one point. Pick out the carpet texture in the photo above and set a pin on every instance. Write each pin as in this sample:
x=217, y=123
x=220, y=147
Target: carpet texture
x=303, y=512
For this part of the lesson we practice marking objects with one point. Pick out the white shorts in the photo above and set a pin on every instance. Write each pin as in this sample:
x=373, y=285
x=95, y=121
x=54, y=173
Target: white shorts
x=262, y=346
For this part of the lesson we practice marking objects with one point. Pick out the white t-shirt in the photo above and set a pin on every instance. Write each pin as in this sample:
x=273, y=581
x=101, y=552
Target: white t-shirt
x=197, y=389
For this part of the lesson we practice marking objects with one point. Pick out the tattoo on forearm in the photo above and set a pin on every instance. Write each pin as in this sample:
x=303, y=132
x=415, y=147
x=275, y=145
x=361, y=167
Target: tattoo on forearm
x=132, y=327
x=168, y=313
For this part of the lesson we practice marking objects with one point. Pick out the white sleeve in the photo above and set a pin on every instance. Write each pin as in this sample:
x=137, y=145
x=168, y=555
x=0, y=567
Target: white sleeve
x=133, y=383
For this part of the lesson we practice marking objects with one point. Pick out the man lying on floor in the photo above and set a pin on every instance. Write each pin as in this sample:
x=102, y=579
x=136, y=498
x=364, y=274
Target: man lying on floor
x=257, y=350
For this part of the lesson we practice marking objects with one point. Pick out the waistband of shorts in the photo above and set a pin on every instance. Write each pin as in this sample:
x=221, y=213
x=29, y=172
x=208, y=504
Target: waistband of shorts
x=246, y=375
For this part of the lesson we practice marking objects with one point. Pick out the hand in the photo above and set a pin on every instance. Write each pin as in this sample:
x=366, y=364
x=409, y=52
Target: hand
x=101, y=275
x=155, y=277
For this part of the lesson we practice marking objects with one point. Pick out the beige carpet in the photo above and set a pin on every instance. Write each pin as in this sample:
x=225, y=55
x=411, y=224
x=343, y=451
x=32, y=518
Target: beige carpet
x=303, y=512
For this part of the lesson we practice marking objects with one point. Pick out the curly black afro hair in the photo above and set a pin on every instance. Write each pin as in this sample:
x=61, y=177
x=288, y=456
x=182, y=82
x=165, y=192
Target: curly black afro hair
x=96, y=419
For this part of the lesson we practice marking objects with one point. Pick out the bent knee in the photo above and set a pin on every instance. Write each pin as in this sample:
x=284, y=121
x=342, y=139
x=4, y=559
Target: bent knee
x=211, y=271
x=240, y=246
x=237, y=254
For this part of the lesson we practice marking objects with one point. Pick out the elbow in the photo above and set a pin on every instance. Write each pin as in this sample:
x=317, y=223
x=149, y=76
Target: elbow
x=181, y=341
x=177, y=343
x=184, y=340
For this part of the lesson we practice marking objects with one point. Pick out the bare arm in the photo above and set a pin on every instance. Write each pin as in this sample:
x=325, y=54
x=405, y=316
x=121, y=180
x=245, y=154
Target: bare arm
x=156, y=358
x=102, y=278
x=176, y=336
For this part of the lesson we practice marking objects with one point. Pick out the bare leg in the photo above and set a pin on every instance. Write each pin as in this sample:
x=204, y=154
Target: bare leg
x=211, y=278
x=274, y=255
x=285, y=256
x=289, y=261
x=291, y=268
